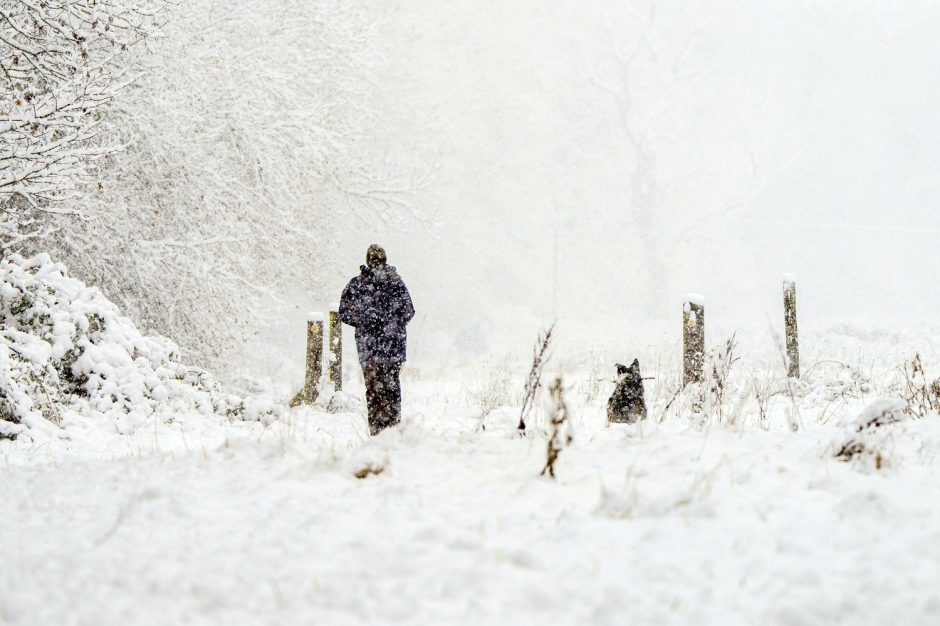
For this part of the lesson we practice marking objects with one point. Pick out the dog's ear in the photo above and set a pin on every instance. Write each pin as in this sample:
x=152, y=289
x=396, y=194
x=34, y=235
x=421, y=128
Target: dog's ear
x=635, y=368
x=622, y=369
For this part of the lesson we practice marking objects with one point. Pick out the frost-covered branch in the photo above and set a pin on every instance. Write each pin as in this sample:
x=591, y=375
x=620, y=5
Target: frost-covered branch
x=58, y=71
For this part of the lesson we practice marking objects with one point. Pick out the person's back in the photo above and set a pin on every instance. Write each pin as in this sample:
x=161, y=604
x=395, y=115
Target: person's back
x=377, y=304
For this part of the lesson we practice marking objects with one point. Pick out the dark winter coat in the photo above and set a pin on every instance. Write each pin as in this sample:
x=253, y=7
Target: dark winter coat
x=378, y=305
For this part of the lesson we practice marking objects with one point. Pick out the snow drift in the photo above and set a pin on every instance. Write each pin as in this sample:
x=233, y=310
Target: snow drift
x=66, y=354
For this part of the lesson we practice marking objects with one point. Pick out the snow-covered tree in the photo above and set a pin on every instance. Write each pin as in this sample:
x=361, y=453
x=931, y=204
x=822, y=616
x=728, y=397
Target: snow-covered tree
x=59, y=67
x=253, y=138
x=661, y=60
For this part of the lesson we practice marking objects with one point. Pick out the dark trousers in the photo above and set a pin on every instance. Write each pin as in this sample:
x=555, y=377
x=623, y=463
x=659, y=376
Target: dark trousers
x=383, y=394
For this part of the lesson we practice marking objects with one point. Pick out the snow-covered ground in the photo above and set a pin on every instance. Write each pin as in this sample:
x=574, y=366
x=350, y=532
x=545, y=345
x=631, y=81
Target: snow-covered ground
x=206, y=521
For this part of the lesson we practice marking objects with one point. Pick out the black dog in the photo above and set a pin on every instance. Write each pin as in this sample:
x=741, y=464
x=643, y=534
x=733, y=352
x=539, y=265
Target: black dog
x=626, y=404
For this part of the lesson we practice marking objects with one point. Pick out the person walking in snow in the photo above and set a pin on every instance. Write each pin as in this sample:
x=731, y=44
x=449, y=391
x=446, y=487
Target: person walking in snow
x=377, y=304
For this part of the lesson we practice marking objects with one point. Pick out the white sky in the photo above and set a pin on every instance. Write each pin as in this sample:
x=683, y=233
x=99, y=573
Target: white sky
x=779, y=137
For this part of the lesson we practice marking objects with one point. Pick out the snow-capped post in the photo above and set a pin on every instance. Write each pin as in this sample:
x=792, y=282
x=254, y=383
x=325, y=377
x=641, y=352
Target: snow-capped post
x=335, y=366
x=693, y=338
x=789, y=319
x=314, y=357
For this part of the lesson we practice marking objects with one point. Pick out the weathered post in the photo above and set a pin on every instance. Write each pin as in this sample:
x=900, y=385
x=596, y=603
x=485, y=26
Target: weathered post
x=789, y=320
x=314, y=357
x=335, y=366
x=693, y=339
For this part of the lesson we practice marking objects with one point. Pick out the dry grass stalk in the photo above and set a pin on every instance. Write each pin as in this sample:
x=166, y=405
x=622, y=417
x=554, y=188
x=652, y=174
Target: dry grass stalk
x=920, y=393
x=764, y=389
x=720, y=370
x=559, y=437
x=534, y=380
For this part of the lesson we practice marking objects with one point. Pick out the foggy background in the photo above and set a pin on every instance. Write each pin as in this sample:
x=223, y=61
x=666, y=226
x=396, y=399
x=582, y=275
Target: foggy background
x=599, y=160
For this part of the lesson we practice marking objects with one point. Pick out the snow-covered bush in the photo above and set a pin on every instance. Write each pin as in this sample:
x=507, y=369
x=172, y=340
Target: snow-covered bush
x=868, y=437
x=65, y=348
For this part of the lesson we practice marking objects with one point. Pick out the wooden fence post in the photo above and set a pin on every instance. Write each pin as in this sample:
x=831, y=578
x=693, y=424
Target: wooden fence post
x=335, y=366
x=789, y=320
x=314, y=357
x=693, y=339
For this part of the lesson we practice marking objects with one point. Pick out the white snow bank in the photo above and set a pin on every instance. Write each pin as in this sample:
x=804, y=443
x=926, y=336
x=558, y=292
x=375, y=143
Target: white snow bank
x=65, y=350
